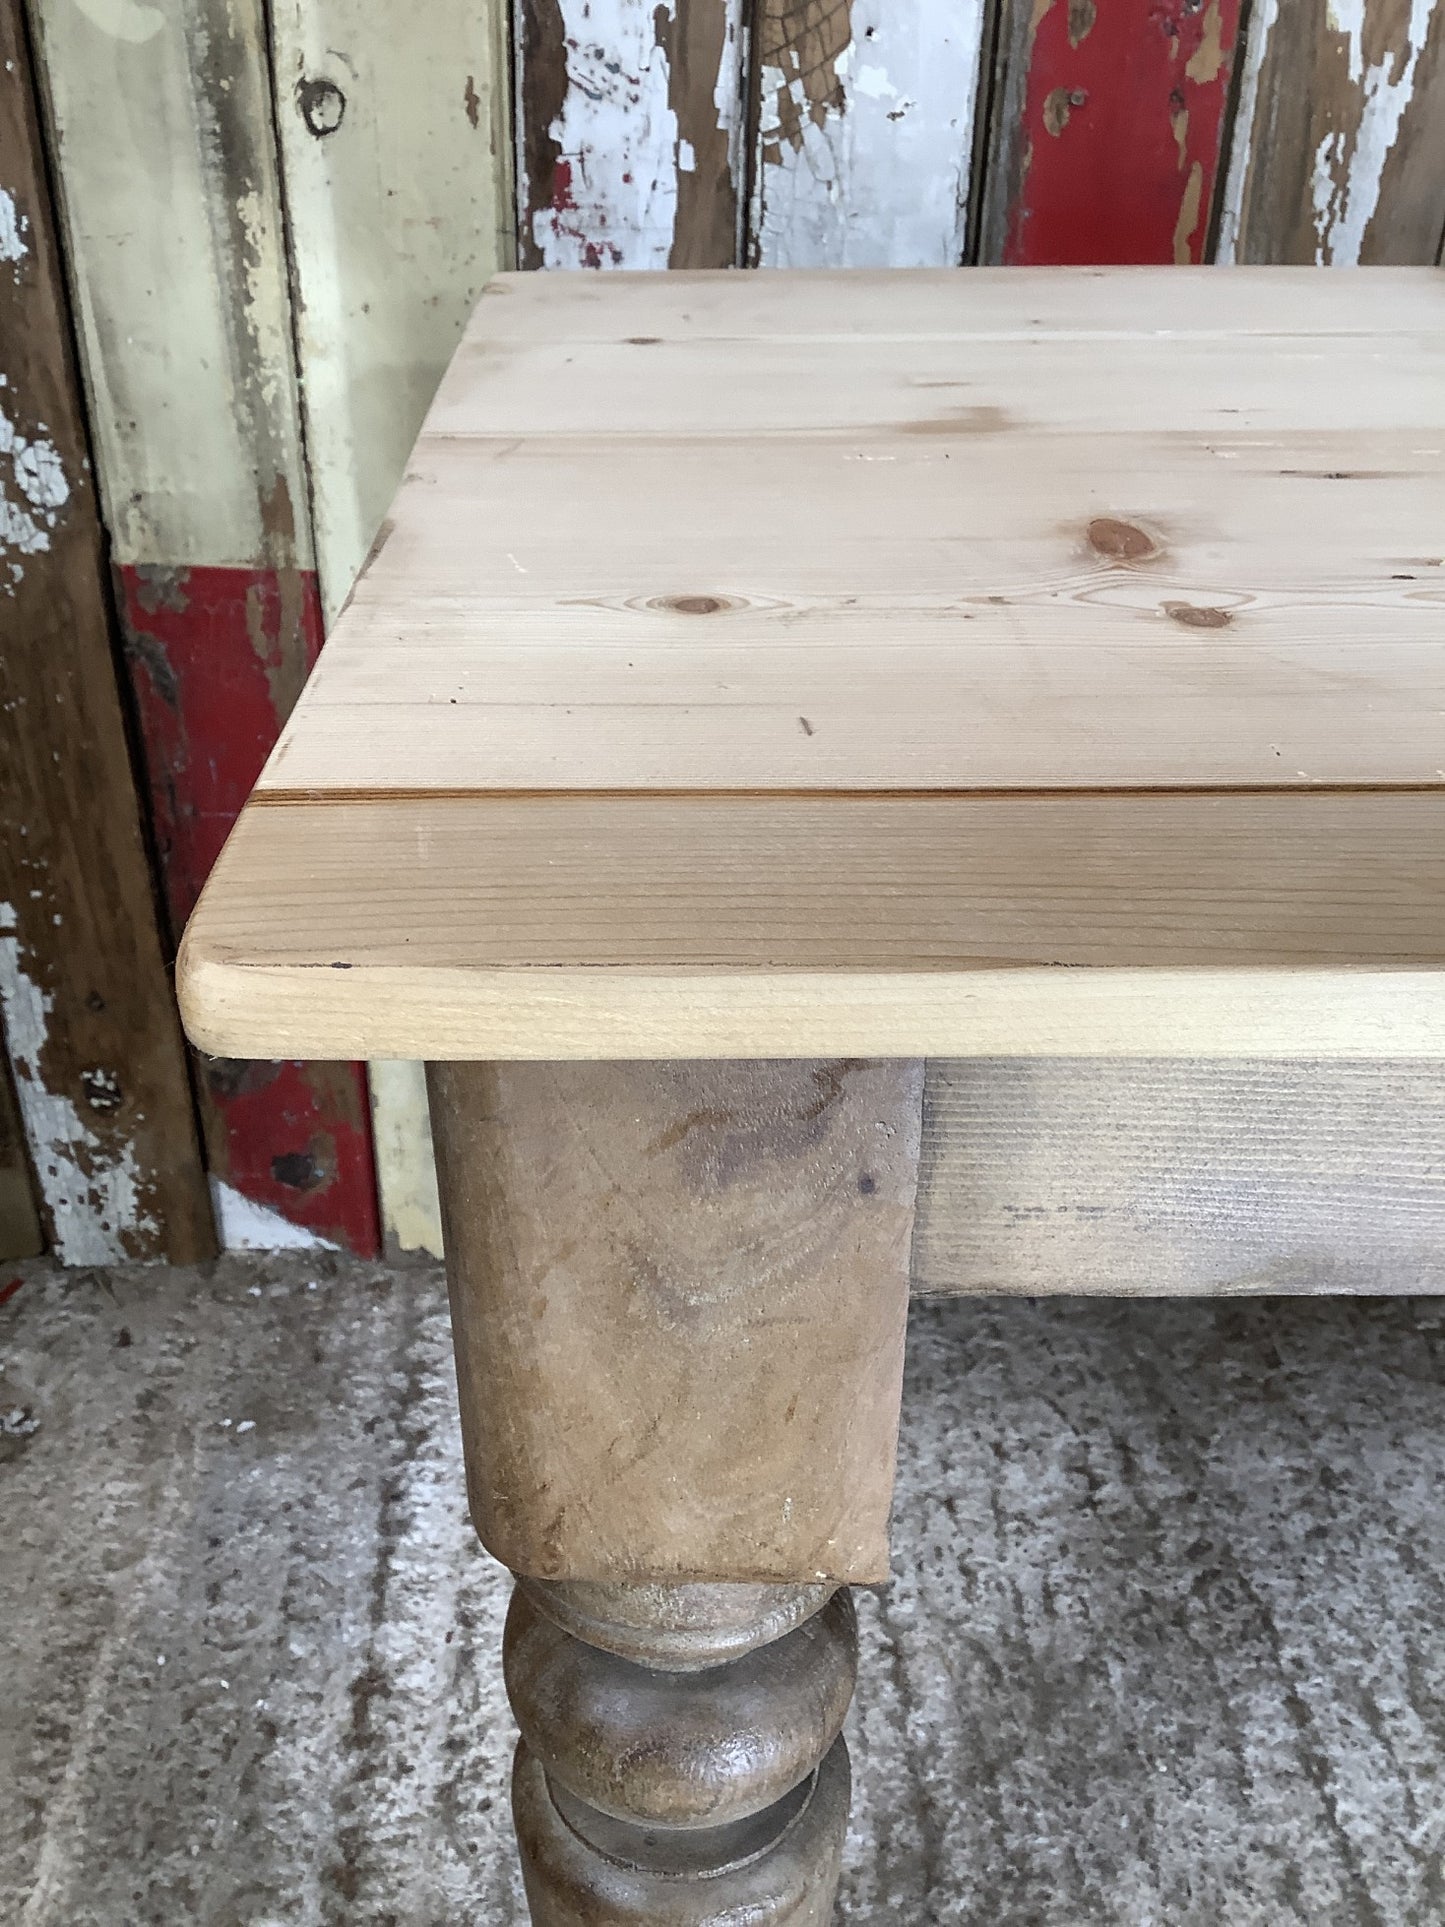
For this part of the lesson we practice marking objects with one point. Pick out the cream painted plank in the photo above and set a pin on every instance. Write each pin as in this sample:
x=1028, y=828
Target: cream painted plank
x=1339, y=144
x=1189, y=925
x=162, y=123
x=1180, y=1179
x=940, y=303
x=865, y=131
x=396, y=140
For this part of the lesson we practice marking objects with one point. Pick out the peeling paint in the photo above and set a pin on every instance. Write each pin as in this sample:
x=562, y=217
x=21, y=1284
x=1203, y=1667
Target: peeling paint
x=34, y=472
x=1339, y=139
x=13, y=228
x=865, y=134
x=93, y=1192
x=1350, y=161
x=245, y=1225
x=613, y=200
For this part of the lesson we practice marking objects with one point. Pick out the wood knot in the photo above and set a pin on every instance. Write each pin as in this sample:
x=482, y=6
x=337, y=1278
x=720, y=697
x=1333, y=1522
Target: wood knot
x=1122, y=541
x=690, y=605
x=1189, y=615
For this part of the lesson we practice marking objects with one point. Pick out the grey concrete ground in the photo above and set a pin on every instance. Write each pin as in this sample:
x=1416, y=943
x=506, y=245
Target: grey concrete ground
x=1164, y=1643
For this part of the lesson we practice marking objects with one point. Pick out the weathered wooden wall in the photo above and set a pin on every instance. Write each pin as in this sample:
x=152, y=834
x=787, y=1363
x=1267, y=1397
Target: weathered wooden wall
x=89, y=1017
x=163, y=139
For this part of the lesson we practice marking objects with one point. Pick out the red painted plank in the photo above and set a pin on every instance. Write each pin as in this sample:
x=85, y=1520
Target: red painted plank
x=1109, y=131
x=214, y=664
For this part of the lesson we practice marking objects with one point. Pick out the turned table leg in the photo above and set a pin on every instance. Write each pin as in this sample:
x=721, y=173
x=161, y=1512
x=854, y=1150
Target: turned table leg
x=682, y=1760
x=679, y=1294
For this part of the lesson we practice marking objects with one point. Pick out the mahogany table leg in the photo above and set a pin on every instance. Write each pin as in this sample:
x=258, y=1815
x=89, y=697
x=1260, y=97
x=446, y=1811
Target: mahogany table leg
x=681, y=1761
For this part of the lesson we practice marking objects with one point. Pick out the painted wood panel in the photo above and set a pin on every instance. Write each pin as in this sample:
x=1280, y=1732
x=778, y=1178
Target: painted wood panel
x=630, y=132
x=1106, y=130
x=395, y=137
x=1339, y=147
x=89, y=1020
x=163, y=137
x=865, y=132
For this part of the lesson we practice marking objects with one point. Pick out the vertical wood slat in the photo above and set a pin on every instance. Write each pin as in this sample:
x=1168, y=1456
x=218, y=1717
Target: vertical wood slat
x=630, y=132
x=20, y=1233
x=1339, y=147
x=1106, y=130
x=395, y=139
x=165, y=148
x=90, y=1023
x=865, y=132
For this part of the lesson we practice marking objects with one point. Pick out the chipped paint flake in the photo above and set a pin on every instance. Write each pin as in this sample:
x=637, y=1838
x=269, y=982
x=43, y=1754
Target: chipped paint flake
x=865, y=135
x=244, y=1225
x=91, y=1189
x=13, y=228
x=33, y=491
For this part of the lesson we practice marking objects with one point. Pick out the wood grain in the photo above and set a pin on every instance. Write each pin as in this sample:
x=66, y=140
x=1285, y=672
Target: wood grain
x=1157, y=1179
x=678, y=1295
x=20, y=1234
x=89, y=1018
x=1339, y=143
x=1026, y=618
x=753, y=927
x=1092, y=534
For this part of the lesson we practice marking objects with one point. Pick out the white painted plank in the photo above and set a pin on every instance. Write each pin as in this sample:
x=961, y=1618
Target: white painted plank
x=630, y=127
x=865, y=132
x=394, y=129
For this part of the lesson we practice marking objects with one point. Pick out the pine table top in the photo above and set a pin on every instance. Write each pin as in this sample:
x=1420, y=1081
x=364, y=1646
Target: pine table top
x=977, y=662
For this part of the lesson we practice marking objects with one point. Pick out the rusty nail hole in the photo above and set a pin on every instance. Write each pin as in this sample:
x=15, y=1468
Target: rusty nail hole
x=1121, y=541
x=1189, y=615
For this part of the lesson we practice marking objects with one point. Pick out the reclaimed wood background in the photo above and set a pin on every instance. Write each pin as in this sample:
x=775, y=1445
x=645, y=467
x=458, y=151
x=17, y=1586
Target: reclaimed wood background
x=93, y=1038
x=277, y=217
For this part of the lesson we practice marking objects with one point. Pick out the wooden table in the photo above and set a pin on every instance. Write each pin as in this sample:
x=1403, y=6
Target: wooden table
x=764, y=684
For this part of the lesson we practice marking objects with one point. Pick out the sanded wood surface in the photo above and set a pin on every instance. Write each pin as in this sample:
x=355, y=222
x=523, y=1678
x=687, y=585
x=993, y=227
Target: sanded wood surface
x=678, y=1296
x=1156, y=553
x=1164, y=1179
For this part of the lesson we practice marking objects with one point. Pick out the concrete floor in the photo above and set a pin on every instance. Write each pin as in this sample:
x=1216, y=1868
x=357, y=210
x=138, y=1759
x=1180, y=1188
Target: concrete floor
x=1165, y=1644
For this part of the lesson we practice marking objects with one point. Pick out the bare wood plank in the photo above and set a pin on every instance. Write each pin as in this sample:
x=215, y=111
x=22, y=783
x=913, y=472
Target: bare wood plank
x=1106, y=130
x=166, y=148
x=20, y=1234
x=1339, y=145
x=865, y=133
x=90, y=1024
x=629, y=132
x=1181, y=1179
x=562, y=926
x=695, y=1377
